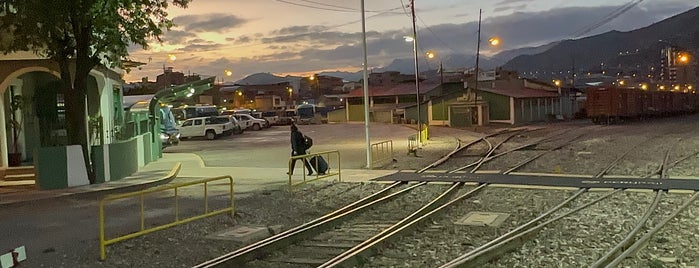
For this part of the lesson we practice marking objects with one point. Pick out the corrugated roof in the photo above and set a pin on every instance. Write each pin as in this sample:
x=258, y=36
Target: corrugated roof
x=521, y=92
x=393, y=90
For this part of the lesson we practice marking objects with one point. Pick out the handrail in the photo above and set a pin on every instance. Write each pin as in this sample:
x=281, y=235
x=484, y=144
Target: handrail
x=140, y=194
x=318, y=176
x=380, y=152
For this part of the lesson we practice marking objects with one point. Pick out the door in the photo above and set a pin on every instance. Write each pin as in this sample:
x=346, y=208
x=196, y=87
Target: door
x=460, y=116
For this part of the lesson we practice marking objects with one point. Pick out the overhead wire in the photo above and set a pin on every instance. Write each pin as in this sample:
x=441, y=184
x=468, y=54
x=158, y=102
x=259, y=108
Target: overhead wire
x=607, y=18
x=329, y=7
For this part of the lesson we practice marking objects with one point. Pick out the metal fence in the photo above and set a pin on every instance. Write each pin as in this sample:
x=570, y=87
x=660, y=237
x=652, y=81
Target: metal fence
x=176, y=210
x=310, y=158
x=381, y=152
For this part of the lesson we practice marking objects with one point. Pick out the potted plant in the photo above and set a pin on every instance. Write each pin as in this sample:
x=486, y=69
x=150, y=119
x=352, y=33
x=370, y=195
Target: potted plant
x=15, y=155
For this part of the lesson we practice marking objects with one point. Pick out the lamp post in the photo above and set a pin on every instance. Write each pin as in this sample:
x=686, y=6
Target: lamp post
x=417, y=76
x=365, y=83
x=475, y=116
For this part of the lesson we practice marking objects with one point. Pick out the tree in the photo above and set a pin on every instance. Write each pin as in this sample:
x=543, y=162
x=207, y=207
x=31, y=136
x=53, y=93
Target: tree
x=80, y=35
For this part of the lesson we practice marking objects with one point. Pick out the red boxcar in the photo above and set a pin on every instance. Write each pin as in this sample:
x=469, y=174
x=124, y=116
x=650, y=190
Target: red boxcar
x=610, y=104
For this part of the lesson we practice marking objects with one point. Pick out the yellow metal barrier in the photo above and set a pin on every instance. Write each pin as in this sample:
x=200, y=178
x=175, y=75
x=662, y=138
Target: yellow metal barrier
x=424, y=134
x=412, y=144
x=104, y=242
x=380, y=152
x=307, y=157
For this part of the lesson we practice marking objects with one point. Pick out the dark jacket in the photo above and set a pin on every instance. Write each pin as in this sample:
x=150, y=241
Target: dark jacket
x=298, y=143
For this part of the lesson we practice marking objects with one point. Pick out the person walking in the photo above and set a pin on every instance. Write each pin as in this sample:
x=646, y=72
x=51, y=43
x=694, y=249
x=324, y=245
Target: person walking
x=298, y=147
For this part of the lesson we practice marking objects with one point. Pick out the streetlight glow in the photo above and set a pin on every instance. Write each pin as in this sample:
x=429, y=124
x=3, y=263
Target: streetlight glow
x=494, y=41
x=430, y=55
x=228, y=72
x=684, y=58
x=171, y=57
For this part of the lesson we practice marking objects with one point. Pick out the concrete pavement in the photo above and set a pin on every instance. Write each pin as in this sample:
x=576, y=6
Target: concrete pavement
x=246, y=179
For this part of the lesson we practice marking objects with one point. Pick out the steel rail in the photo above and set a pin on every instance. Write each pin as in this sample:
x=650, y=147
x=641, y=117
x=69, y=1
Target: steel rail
x=644, y=239
x=353, y=256
x=529, y=160
x=478, y=258
x=263, y=247
x=629, y=239
x=519, y=229
x=461, y=147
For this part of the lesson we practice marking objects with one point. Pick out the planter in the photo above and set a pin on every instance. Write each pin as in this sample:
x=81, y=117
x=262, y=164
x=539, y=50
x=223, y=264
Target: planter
x=14, y=159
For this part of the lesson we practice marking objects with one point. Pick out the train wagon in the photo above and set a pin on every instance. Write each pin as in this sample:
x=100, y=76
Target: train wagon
x=607, y=105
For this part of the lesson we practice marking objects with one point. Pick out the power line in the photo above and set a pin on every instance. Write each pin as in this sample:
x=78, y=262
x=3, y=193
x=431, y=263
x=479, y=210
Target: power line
x=609, y=17
x=315, y=7
x=329, y=7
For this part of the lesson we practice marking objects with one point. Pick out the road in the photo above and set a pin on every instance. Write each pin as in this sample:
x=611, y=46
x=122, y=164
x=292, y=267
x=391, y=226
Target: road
x=271, y=147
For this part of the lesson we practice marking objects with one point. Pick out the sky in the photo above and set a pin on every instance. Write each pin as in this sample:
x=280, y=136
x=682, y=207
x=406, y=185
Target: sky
x=303, y=37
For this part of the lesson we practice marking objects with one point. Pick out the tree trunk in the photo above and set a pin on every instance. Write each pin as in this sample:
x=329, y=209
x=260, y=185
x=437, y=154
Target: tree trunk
x=74, y=96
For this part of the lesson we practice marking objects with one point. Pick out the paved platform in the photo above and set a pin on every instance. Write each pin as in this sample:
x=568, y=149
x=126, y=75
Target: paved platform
x=246, y=179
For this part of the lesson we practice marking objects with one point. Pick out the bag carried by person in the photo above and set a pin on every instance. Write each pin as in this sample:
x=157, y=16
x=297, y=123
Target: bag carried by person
x=319, y=164
x=307, y=141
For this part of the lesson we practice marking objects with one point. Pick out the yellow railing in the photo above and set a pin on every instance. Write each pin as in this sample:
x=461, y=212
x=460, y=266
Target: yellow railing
x=177, y=221
x=318, y=176
x=412, y=144
x=380, y=152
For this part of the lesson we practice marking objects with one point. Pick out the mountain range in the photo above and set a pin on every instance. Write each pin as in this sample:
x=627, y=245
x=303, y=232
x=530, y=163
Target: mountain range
x=636, y=51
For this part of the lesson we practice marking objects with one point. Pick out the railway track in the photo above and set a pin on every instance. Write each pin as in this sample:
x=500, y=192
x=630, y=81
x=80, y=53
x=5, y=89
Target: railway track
x=382, y=238
x=588, y=246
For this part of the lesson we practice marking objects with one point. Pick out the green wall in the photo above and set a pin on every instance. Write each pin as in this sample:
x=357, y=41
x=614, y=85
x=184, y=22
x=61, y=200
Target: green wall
x=498, y=105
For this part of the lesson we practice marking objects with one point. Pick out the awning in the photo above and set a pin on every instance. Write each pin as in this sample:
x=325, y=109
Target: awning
x=181, y=91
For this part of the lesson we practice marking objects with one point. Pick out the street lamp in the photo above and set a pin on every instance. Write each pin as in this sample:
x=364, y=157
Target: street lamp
x=226, y=72
x=494, y=41
x=417, y=75
x=431, y=55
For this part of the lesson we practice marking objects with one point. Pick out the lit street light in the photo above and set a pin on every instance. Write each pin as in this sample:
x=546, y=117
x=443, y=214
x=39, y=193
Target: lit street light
x=684, y=58
x=431, y=55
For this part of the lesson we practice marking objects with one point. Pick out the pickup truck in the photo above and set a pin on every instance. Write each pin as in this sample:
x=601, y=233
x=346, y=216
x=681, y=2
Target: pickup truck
x=209, y=127
x=271, y=117
x=251, y=122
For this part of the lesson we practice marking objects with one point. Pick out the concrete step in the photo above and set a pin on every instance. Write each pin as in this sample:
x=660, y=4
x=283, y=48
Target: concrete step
x=19, y=170
x=20, y=177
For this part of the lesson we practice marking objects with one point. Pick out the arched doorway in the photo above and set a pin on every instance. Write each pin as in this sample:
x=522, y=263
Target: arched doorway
x=21, y=114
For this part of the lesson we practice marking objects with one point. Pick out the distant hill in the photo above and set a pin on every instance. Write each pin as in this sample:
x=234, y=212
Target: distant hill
x=261, y=79
x=633, y=51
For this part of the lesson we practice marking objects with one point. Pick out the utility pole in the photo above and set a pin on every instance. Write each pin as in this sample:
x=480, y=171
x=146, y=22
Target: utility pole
x=417, y=76
x=366, y=90
x=478, y=54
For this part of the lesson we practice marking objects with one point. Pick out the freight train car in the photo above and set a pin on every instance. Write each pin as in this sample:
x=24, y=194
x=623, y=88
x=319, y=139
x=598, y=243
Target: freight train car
x=607, y=105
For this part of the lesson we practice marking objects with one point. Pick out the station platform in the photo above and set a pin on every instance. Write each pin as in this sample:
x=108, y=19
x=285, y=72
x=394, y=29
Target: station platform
x=246, y=179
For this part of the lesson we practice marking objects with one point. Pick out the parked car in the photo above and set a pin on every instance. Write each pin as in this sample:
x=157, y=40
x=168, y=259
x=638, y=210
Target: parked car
x=250, y=122
x=209, y=127
x=238, y=128
x=260, y=115
x=272, y=117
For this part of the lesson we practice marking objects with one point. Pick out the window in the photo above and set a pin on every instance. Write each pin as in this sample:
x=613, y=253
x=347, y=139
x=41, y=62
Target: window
x=197, y=122
x=187, y=123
